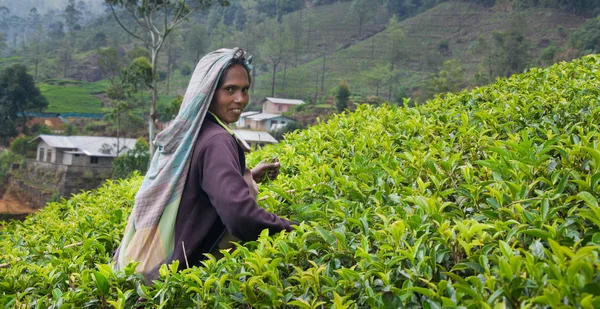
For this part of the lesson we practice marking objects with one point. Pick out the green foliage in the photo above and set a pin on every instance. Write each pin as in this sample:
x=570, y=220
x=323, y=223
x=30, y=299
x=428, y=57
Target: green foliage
x=186, y=70
x=7, y=159
x=511, y=53
x=19, y=95
x=137, y=52
x=548, y=54
x=137, y=76
x=166, y=113
x=342, y=94
x=109, y=63
x=134, y=162
x=450, y=78
x=587, y=37
x=22, y=146
x=482, y=199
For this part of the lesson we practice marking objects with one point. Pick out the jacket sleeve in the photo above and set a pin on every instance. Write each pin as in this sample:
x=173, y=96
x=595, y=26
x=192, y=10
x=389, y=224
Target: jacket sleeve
x=222, y=180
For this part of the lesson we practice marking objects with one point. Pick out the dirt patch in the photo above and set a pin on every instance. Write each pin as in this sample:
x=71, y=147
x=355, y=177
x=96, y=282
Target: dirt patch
x=11, y=205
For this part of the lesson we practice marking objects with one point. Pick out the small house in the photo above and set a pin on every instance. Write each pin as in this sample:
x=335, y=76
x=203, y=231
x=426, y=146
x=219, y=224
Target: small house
x=266, y=121
x=278, y=105
x=241, y=123
x=255, y=138
x=81, y=150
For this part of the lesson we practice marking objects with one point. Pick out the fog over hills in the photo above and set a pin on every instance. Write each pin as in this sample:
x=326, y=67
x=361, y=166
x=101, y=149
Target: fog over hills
x=22, y=7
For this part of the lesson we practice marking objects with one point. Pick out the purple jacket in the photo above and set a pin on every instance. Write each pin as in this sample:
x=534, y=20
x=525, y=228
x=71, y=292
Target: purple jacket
x=216, y=198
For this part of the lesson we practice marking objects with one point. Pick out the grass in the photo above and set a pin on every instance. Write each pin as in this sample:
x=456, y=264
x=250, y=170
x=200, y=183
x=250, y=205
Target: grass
x=68, y=96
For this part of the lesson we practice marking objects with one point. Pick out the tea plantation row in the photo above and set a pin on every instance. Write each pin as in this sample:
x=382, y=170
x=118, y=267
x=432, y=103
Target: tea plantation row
x=482, y=199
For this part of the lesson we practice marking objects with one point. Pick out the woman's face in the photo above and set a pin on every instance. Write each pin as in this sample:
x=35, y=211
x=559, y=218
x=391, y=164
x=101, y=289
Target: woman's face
x=232, y=96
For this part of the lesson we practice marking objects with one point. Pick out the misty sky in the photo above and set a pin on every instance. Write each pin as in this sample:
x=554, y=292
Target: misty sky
x=22, y=7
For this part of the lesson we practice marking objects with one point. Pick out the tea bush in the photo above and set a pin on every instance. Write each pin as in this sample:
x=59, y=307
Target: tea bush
x=481, y=199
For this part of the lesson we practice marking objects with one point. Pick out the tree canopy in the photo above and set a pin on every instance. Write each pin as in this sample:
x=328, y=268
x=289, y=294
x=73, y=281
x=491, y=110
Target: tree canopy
x=18, y=95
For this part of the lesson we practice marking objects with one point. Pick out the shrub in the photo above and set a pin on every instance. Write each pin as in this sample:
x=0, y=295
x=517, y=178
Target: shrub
x=481, y=199
x=342, y=94
x=135, y=160
x=186, y=70
x=22, y=146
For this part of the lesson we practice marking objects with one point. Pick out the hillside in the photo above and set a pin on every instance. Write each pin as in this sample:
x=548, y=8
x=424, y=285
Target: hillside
x=482, y=199
x=333, y=33
x=457, y=23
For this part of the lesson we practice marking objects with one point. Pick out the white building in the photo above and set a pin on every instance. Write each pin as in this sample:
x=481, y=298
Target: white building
x=255, y=138
x=81, y=150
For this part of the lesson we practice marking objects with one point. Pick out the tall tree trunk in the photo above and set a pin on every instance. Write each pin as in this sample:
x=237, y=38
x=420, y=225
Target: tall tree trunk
x=37, y=58
x=118, y=130
x=372, y=46
x=308, y=33
x=316, y=88
x=323, y=72
x=152, y=118
x=284, y=73
x=391, y=83
x=273, y=81
x=168, y=77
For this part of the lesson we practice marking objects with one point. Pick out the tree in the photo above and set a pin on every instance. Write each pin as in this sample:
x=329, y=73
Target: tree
x=294, y=23
x=109, y=63
x=511, y=48
x=114, y=114
x=378, y=76
x=135, y=53
x=18, y=95
x=587, y=37
x=342, y=94
x=157, y=18
x=196, y=41
x=169, y=112
x=449, y=79
x=2, y=42
x=362, y=10
x=274, y=49
x=72, y=17
x=394, y=49
x=173, y=55
x=137, y=77
x=35, y=24
x=135, y=160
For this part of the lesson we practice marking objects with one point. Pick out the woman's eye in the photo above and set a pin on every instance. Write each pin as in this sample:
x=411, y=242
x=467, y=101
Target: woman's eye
x=229, y=89
x=245, y=90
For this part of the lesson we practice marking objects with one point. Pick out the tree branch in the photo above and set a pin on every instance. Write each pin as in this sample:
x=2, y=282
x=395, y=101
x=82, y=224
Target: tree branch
x=132, y=12
x=122, y=26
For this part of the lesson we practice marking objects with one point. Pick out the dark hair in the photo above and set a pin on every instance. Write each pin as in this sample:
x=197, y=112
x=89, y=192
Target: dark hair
x=239, y=57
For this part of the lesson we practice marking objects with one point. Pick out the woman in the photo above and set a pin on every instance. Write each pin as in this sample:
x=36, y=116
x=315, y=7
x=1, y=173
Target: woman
x=198, y=194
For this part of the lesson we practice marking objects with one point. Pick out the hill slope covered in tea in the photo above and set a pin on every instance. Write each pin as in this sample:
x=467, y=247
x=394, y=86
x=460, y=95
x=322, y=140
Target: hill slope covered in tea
x=480, y=199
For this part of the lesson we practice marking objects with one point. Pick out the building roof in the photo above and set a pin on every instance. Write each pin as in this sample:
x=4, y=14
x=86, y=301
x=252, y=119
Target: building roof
x=245, y=114
x=265, y=116
x=98, y=146
x=285, y=101
x=255, y=136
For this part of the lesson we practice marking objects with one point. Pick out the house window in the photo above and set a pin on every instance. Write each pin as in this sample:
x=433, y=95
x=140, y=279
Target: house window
x=279, y=108
x=94, y=160
x=49, y=155
x=41, y=155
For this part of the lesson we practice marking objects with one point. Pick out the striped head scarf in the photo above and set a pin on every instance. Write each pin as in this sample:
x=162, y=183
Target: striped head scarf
x=149, y=236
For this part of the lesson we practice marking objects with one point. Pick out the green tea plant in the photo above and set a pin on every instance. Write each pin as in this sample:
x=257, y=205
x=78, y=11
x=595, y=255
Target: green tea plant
x=479, y=199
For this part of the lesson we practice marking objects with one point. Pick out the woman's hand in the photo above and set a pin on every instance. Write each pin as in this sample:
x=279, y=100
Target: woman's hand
x=263, y=169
